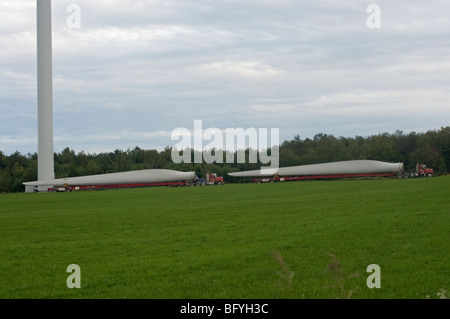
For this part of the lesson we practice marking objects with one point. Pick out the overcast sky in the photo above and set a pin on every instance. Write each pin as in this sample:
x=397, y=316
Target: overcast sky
x=136, y=70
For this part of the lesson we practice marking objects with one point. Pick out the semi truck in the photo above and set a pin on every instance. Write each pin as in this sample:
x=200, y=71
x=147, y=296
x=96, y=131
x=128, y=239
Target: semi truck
x=421, y=171
x=211, y=179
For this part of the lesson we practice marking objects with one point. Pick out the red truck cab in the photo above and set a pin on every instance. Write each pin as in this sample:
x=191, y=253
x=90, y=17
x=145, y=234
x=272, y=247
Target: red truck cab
x=214, y=179
x=422, y=170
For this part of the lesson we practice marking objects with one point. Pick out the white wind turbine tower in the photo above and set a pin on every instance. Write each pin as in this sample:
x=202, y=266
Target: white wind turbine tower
x=46, y=170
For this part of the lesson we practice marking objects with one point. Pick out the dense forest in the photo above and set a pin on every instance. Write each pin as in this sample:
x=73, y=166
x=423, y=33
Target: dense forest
x=431, y=148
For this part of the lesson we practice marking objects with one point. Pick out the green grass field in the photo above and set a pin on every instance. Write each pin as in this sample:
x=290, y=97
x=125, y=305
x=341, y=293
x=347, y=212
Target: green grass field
x=232, y=241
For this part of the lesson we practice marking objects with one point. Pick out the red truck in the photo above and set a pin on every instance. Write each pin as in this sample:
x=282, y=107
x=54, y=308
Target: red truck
x=421, y=171
x=213, y=179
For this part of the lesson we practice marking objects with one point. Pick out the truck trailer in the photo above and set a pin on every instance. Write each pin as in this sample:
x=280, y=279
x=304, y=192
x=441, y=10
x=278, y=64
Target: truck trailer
x=333, y=170
x=138, y=178
x=130, y=179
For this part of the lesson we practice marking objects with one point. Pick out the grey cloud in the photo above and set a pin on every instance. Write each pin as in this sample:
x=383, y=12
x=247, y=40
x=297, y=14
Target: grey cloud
x=152, y=66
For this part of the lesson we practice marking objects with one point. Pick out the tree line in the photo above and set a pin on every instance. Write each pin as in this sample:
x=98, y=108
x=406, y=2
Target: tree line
x=431, y=148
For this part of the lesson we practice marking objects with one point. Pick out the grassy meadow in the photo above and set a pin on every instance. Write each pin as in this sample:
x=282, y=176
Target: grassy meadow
x=305, y=239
